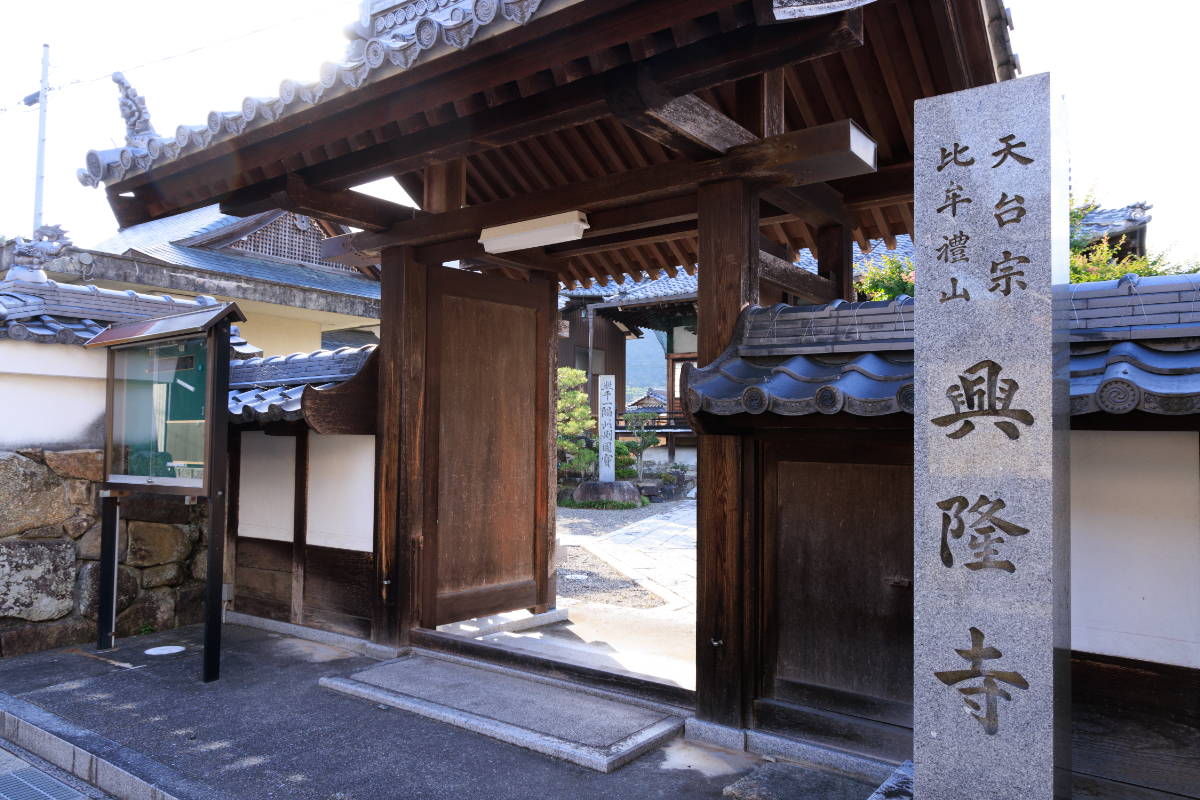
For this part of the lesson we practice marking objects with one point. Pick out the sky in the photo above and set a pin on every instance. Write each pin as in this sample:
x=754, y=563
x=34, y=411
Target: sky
x=1126, y=72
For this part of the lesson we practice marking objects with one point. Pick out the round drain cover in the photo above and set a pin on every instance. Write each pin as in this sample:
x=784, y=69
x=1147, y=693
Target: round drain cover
x=165, y=651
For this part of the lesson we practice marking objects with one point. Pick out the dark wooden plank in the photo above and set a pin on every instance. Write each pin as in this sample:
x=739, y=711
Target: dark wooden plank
x=835, y=259
x=264, y=554
x=545, y=556
x=818, y=204
x=349, y=408
x=233, y=507
x=472, y=603
x=1136, y=722
x=345, y=624
x=266, y=607
x=1089, y=787
x=265, y=583
x=817, y=154
x=398, y=440
x=840, y=701
x=796, y=280
x=833, y=564
x=445, y=186
x=339, y=580
x=482, y=466
x=849, y=734
x=728, y=248
x=686, y=124
x=290, y=193
x=527, y=662
x=299, y=526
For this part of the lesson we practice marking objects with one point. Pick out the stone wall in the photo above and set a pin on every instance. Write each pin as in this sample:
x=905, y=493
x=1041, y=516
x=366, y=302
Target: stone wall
x=50, y=550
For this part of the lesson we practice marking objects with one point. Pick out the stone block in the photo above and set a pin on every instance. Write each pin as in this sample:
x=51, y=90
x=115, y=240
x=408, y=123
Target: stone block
x=32, y=453
x=650, y=488
x=46, y=636
x=85, y=464
x=46, y=532
x=153, y=608
x=168, y=509
x=88, y=545
x=200, y=565
x=153, y=543
x=81, y=493
x=189, y=604
x=77, y=526
x=31, y=496
x=37, y=579
x=89, y=588
x=615, y=491
x=162, y=575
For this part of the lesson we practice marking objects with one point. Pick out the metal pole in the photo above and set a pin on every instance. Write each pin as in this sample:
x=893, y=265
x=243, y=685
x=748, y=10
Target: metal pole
x=106, y=612
x=41, y=155
x=218, y=462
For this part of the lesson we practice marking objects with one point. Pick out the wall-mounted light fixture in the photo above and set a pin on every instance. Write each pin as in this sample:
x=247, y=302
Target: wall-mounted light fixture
x=565, y=227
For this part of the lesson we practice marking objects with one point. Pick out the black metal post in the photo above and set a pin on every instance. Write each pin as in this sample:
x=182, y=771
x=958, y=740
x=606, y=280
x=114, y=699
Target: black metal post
x=106, y=616
x=219, y=463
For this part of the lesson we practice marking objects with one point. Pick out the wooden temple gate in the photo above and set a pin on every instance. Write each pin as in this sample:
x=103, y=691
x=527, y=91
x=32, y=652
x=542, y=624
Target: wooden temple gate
x=703, y=135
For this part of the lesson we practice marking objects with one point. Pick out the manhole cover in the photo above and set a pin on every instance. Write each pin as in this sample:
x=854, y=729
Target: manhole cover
x=165, y=651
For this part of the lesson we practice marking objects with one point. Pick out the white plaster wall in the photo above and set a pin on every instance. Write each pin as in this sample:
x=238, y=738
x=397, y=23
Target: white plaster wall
x=268, y=490
x=52, y=394
x=683, y=455
x=341, y=491
x=685, y=341
x=1135, y=545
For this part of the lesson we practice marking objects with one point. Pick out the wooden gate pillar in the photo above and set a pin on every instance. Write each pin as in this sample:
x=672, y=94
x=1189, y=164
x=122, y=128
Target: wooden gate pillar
x=399, y=440
x=728, y=281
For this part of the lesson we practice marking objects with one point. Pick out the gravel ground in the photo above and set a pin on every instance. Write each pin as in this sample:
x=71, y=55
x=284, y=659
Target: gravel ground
x=603, y=584
x=597, y=522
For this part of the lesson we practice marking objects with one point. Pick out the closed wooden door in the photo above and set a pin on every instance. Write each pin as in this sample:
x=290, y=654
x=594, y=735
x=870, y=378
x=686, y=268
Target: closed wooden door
x=488, y=353
x=840, y=660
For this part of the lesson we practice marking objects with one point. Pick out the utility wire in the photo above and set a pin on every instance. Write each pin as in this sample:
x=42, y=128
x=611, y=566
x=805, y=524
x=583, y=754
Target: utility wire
x=21, y=107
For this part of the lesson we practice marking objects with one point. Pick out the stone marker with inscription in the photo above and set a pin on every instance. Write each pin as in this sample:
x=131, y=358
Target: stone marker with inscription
x=992, y=688
x=607, y=421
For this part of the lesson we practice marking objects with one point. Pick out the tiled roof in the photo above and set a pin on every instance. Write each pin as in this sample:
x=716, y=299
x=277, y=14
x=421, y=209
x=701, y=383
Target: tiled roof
x=268, y=271
x=684, y=284
x=1116, y=222
x=269, y=389
x=46, y=311
x=166, y=229
x=1135, y=344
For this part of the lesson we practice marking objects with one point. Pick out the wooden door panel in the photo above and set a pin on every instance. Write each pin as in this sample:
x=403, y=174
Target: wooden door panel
x=488, y=418
x=488, y=449
x=844, y=531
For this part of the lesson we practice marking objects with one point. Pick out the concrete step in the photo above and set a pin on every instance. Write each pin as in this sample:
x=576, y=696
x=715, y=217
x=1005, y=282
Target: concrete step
x=584, y=726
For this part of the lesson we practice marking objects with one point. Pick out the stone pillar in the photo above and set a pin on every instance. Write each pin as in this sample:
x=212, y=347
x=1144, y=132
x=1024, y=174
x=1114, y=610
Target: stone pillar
x=992, y=688
x=608, y=451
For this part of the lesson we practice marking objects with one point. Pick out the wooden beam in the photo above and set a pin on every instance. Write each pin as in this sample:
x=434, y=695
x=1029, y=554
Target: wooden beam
x=770, y=247
x=889, y=185
x=413, y=184
x=800, y=282
x=399, y=440
x=299, y=526
x=686, y=124
x=728, y=249
x=804, y=156
x=290, y=193
x=835, y=259
x=818, y=204
x=759, y=104
x=445, y=187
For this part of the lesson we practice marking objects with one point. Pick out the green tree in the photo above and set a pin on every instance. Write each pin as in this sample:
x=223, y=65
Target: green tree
x=574, y=416
x=1102, y=260
x=886, y=277
x=638, y=424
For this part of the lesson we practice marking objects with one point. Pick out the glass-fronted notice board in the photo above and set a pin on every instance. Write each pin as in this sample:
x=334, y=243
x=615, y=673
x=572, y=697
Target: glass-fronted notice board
x=159, y=398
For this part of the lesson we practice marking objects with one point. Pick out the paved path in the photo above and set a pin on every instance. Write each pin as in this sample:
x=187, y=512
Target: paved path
x=21, y=780
x=659, y=552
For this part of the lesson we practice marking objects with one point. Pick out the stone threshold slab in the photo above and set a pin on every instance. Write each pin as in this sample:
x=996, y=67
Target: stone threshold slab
x=596, y=732
x=497, y=623
x=121, y=772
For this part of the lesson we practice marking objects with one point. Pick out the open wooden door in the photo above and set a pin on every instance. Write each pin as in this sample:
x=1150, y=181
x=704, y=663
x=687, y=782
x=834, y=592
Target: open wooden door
x=488, y=376
x=838, y=626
